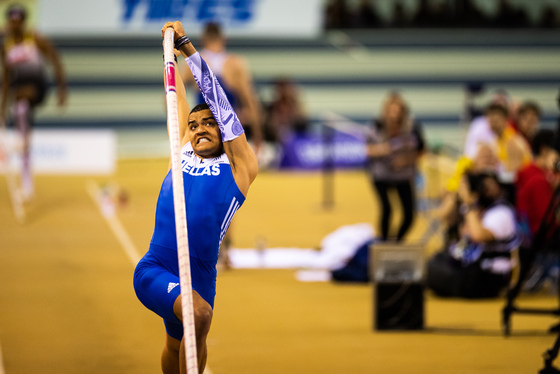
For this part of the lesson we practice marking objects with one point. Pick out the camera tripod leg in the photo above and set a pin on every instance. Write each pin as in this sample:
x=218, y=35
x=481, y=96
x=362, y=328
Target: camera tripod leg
x=506, y=320
x=549, y=357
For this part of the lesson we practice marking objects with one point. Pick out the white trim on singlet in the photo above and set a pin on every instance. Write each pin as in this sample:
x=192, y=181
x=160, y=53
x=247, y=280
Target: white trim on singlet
x=188, y=157
x=228, y=212
x=233, y=207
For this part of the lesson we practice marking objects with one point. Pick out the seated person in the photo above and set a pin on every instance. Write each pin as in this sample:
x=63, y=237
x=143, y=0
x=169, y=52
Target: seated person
x=536, y=184
x=478, y=264
x=485, y=160
x=537, y=181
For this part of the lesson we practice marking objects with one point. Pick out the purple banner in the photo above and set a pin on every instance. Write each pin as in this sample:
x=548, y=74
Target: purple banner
x=315, y=151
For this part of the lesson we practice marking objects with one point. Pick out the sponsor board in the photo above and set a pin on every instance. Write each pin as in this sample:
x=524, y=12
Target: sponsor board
x=256, y=18
x=65, y=151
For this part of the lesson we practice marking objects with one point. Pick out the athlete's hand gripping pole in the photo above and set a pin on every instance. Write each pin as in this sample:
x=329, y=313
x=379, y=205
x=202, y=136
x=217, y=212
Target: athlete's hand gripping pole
x=179, y=205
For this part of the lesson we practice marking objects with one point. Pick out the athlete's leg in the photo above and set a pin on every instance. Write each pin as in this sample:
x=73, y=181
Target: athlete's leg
x=22, y=109
x=174, y=356
x=23, y=115
x=170, y=356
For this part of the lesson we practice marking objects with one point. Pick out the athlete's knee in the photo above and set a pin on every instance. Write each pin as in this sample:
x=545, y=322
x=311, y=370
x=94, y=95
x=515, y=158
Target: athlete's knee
x=203, y=314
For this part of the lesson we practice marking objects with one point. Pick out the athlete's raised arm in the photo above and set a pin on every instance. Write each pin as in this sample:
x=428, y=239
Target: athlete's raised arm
x=241, y=156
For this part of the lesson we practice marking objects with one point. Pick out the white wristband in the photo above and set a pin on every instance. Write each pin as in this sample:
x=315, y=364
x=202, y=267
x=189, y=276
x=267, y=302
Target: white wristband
x=215, y=97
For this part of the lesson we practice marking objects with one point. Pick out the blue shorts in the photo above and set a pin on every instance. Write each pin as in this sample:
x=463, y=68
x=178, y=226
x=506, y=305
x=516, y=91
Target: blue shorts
x=156, y=283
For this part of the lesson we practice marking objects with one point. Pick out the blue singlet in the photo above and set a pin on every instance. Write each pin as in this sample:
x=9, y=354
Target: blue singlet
x=211, y=198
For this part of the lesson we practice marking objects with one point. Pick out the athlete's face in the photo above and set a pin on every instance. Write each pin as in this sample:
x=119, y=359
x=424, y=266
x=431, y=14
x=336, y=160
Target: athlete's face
x=204, y=134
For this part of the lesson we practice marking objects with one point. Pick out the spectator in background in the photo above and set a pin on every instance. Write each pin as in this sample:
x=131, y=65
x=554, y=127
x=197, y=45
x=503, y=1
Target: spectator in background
x=537, y=181
x=284, y=115
x=510, y=17
x=513, y=152
x=537, y=186
x=424, y=16
x=337, y=15
x=365, y=16
x=443, y=15
x=479, y=129
x=557, y=144
x=234, y=77
x=527, y=122
x=472, y=16
x=485, y=161
x=495, y=129
x=478, y=265
x=439, y=13
x=25, y=55
x=394, y=145
x=400, y=18
x=550, y=18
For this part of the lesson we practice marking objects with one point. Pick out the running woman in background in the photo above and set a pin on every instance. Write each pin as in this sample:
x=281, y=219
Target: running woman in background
x=218, y=167
x=24, y=82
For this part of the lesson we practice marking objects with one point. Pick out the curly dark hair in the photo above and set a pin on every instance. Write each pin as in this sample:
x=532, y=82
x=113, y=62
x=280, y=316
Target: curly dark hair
x=199, y=107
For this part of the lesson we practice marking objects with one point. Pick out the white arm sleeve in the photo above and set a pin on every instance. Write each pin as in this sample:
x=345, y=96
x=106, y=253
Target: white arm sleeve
x=215, y=97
